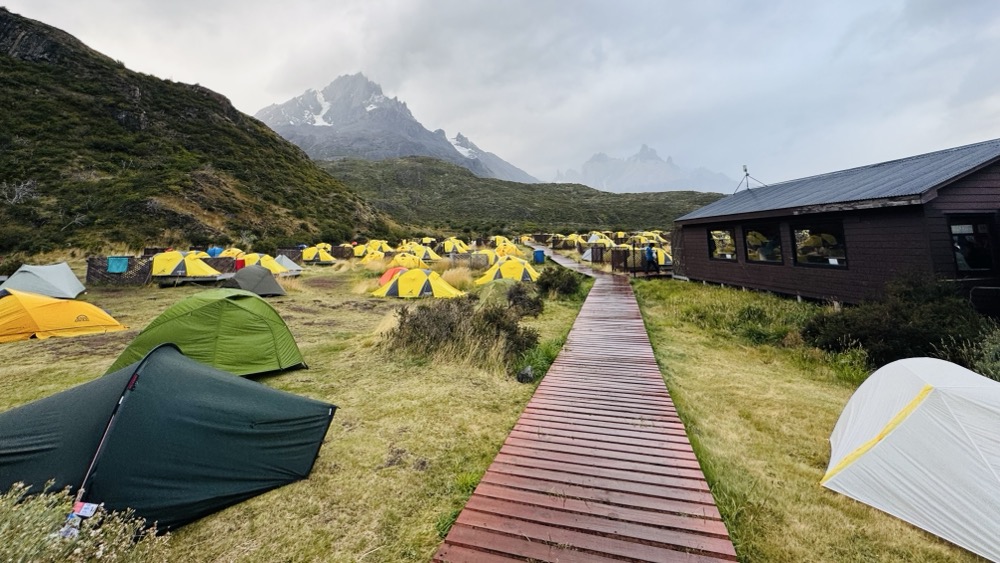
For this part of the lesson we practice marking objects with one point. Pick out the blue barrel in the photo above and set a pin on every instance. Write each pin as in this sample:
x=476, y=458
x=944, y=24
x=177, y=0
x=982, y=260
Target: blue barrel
x=539, y=256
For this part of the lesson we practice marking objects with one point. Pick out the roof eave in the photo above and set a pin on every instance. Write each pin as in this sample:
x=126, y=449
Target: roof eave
x=811, y=209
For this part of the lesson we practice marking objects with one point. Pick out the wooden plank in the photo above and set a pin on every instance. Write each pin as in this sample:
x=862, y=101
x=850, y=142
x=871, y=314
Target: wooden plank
x=599, y=466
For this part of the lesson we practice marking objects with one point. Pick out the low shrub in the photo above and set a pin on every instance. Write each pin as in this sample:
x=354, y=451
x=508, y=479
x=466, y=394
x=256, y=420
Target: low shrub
x=917, y=317
x=558, y=281
x=525, y=300
x=490, y=334
x=30, y=526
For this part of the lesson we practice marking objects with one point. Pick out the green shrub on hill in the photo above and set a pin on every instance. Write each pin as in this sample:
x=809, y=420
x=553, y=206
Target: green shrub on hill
x=119, y=156
x=423, y=190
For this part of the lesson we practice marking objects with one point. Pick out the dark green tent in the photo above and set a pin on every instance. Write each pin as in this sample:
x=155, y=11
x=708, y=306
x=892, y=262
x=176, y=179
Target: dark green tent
x=171, y=438
x=231, y=329
x=256, y=279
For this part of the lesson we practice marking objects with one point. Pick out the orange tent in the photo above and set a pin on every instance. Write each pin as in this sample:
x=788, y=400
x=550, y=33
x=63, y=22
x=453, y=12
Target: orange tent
x=387, y=276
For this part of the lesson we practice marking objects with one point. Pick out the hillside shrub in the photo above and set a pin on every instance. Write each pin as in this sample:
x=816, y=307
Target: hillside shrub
x=489, y=334
x=30, y=525
x=558, y=281
x=917, y=317
x=525, y=300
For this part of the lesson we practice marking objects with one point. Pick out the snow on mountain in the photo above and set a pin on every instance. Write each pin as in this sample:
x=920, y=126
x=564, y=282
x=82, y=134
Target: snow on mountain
x=352, y=118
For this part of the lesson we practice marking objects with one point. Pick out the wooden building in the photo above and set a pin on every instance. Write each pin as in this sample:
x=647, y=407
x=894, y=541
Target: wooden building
x=841, y=236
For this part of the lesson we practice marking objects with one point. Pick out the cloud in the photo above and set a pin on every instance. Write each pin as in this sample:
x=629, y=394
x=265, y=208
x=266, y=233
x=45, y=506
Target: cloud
x=790, y=88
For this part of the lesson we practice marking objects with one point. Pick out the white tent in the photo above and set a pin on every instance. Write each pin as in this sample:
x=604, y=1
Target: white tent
x=293, y=268
x=54, y=280
x=920, y=439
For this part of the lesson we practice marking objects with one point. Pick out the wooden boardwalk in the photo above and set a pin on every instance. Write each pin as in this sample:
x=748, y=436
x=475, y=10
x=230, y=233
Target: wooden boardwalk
x=598, y=467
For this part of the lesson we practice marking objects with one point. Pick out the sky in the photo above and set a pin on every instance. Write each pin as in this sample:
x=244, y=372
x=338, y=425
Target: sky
x=789, y=88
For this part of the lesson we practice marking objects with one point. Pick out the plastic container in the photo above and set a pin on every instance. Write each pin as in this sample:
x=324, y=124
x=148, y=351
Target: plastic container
x=539, y=256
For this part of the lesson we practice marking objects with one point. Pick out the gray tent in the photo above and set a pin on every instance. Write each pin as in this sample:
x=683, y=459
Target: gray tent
x=54, y=280
x=256, y=279
x=293, y=268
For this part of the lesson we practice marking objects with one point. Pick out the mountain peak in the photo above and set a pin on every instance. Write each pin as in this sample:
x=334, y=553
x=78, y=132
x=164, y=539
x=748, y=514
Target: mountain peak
x=352, y=118
x=646, y=153
x=644, y=171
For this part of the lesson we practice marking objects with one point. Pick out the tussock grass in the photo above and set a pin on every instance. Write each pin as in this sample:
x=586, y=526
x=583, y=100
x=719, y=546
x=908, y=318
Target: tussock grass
x=459, y=278
x=759, y=417
x=410, y=440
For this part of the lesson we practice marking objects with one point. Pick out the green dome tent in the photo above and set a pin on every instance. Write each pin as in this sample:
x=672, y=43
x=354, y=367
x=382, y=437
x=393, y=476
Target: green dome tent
x=171, y=438
x=229, y=329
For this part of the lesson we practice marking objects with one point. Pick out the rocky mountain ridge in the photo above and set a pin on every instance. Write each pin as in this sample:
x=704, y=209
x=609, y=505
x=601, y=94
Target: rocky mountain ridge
x=352, y=118
x=644, y=171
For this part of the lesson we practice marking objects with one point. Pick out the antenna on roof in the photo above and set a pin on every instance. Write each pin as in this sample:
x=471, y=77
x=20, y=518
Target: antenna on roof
x=746, y=178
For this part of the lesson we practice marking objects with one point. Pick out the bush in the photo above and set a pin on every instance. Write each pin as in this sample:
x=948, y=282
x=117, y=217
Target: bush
x=559, y=281
x=30, y=525
x=490, y=334
x=918, y=317
x=524, y=300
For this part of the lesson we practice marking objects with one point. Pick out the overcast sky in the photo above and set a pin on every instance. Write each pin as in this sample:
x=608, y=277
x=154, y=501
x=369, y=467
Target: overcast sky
x=790, y=88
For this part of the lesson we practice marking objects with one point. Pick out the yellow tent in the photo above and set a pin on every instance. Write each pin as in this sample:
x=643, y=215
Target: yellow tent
x=316, y=255
x=508, y=249
x=324, y=246
x=418, y=283
x=25, y=315
x=424, y=252
x=372, y=256
x=360, y=251
x=379, y=245
x=181, y=264
x=509, y=268
x=428, y=240
x=231, y=252
x=265, y=260
x=407, y=260
x=455, y=245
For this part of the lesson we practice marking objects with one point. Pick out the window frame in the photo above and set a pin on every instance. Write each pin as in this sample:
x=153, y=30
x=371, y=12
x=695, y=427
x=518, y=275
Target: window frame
x=711, y=243
x=976, y=222
x=837, y=226
x=759, y=227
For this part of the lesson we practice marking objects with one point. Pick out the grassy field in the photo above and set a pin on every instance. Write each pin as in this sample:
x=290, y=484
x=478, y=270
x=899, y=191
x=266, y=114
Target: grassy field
x=760, y=417
x=408, y=444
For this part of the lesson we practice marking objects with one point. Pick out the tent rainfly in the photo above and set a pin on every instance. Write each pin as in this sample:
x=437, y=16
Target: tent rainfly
x=175, y=263
x=418, y=283
x=54, y=280
x=229, y=329
x=26, y=315
x=256, y=279
x=919, y=440
x=171, y=438
x=289, y=264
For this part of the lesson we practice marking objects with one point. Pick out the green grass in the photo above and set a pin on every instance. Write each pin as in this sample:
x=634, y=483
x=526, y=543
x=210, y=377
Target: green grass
x=409, y=442
x=759, y=416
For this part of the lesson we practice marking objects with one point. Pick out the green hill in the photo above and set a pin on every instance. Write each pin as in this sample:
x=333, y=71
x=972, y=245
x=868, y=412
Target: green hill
x=92, y=153
x=425, y=191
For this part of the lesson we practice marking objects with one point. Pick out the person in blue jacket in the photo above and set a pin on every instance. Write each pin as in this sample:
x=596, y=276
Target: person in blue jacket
x=651, y=261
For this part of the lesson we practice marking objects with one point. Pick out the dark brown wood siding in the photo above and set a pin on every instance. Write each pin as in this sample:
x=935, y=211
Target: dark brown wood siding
x=881, y=244
x=977, y=194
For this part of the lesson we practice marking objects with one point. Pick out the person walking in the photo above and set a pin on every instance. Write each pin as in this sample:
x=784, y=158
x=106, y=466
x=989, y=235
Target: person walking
x=651, y=262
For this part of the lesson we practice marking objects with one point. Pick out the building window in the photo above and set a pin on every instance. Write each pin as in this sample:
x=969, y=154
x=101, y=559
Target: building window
x=763, y=243
x=970, y=239
x=820, y=245
x=721, y=245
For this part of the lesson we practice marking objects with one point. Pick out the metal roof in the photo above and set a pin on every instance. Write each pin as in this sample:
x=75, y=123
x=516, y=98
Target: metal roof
x=896, y=178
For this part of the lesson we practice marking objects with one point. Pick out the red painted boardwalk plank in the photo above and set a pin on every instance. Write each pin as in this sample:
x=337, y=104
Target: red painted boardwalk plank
x=599, y=467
